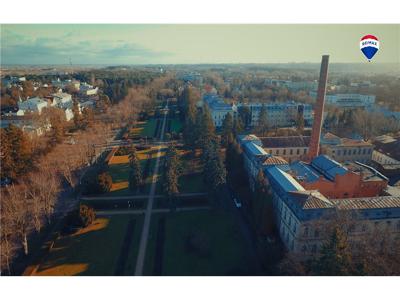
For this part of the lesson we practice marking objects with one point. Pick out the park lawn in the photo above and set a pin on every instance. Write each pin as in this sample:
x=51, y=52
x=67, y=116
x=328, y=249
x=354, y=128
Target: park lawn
x=192, y=183
x=226, y=254
x=120, y=176
x=90, y=251
x=149, y=128
x=176, y=125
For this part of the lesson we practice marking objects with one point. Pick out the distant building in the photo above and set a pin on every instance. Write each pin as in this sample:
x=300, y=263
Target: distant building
x=289, y=147
x=62, y=100
x=280, y=114
x=293, y=85
x=35, y=104
x=26, y=123
x=86, y=89
x=386, y=155
x=350, y=101
x=62, y=84
x=344, y=149
x=218, y=108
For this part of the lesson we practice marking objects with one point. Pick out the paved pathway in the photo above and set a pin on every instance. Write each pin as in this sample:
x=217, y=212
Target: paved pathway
x=147, y=217
x=182, y=195
x=142, y=211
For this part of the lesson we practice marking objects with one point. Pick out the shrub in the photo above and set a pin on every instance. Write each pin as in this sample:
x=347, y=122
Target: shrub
x=104, y=182
x=86, y=215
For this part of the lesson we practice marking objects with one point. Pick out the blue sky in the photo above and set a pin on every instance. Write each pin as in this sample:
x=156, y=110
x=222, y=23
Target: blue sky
x=164, y=44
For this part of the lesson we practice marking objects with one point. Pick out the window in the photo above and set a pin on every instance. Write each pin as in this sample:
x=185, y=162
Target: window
x=338, y=152
x=354, y=151
x=291, y=151
x=305, y=233
x=305, y=150
x=364, y=150
x=304, y=249
x=364, y=228
x=284, y=151
x=298, y=151
x=359, y=151
x=398, y=225
x=316, y=233
x=369, y=151
x=344, y=152
x=389, y=223
x=277, y=152
x=314, y=248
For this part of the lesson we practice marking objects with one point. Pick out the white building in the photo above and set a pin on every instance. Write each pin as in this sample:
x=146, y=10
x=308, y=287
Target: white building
x=62, y=100
x=87, y=89
x=348, y=100
x=35, y=104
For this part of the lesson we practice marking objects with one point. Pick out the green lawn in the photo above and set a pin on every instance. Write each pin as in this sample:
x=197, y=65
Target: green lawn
x=120, y=176
x=176, y=125
x=221, y=250
x=94, y=250
x=149, y=128
x=192, y=183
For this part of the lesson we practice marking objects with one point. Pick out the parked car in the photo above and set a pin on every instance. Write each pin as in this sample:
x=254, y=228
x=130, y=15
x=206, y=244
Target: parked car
x=238, y=204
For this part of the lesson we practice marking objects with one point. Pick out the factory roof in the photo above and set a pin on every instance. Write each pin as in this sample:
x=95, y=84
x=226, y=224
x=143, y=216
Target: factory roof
x=328, y=167
x=285, y=181
x=304, y=172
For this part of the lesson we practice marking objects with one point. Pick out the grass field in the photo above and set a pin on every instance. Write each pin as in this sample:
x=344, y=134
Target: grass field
x=176, y=125
x=143, y=129
x=93, y=250
x=120, y=175
x=222, y=250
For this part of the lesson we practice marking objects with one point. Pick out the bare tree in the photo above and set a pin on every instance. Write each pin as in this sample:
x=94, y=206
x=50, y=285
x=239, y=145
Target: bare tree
x=15, y=206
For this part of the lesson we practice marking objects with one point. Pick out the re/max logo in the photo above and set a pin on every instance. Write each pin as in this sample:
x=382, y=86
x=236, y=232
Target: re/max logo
x=369, y=43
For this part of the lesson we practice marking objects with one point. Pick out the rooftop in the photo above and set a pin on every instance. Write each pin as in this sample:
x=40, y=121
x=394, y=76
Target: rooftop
x=285, y=181
x=285, y=141
x=328, y=167
x=389, y=146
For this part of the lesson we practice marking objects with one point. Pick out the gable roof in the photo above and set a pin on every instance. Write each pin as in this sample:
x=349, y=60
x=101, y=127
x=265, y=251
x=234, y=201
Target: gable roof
x=285, y=141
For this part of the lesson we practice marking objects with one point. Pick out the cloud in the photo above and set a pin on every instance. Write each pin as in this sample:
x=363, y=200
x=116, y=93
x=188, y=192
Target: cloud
x=19, y=49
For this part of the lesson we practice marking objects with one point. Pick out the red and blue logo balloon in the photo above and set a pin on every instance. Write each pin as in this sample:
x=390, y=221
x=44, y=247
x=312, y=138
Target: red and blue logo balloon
x=369, y=45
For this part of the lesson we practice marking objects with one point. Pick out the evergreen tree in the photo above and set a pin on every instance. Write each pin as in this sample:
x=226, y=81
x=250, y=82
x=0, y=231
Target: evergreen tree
x=262, y=120
x=172, y=172
x=237, y=126
x=77, y=115
x=227, y=130
x=135, y=174
x=245, y=115
x=335, y=257
x=300, y=123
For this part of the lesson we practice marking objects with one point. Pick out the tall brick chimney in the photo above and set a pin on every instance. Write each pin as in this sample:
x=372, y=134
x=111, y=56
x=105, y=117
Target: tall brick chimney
x=319, y=109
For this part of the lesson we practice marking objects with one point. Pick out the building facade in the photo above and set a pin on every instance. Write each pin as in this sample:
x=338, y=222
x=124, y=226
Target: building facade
x=290, y=148
x=350, y=101
x=344, y=149
x=303, y=216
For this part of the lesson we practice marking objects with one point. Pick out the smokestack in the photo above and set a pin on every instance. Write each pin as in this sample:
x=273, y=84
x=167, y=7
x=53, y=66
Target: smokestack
x=319, y=109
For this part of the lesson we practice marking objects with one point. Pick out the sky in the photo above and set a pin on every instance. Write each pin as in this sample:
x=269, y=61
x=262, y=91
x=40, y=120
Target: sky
x=192, y=44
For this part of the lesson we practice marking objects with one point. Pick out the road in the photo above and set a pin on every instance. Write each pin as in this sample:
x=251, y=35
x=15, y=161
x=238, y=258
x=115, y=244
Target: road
x=147, y=217
x=142, y=211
